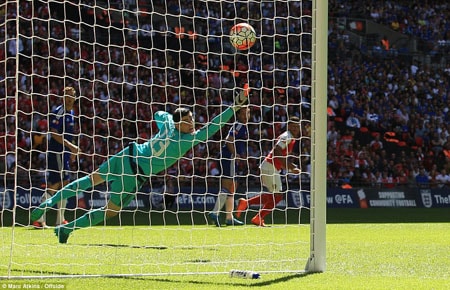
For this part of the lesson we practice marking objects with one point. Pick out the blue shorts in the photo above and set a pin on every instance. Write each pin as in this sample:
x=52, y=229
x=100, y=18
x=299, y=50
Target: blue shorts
x=228, y=168
x=58, y=166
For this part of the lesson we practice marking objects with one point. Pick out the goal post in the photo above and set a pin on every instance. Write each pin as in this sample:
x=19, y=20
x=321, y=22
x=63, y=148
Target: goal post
x=316, y=262
x=127, y=60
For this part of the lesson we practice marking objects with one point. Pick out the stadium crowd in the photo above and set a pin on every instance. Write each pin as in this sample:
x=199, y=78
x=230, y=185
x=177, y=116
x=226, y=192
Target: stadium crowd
x=428, y=21
x=389, y=118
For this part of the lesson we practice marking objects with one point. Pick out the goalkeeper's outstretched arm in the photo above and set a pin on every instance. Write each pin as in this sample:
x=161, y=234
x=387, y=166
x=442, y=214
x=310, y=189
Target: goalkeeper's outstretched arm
x=220, y=120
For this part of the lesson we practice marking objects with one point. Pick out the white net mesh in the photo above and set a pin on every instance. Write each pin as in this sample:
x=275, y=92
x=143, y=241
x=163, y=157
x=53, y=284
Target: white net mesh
x=126, y=61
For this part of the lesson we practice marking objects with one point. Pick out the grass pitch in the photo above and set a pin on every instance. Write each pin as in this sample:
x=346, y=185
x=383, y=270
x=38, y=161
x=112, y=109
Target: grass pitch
x=366, y=249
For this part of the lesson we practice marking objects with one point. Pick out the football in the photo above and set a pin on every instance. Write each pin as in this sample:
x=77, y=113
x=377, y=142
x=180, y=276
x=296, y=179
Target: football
x=242, y=36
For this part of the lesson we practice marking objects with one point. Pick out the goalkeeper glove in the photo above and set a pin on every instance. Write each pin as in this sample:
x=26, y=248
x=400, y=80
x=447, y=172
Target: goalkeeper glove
x=241, y=97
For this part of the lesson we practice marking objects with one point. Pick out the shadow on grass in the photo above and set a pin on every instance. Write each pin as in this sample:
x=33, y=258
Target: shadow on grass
x=127, y=246
x=257, y=282
x=39, y=274
x=145, y=247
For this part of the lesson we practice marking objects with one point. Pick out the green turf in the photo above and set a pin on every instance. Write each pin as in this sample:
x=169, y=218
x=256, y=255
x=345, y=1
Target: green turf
x=366, y=249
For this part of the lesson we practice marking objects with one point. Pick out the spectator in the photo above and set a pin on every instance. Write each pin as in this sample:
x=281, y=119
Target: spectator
x=381, y=84
x=376, y=145
x=423, y=179
x=353, y=122
x=333, y=136
x=443, y=179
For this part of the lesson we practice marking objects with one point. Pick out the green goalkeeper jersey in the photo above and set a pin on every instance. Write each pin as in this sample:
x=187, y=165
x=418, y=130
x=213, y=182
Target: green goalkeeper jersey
x=169, y=144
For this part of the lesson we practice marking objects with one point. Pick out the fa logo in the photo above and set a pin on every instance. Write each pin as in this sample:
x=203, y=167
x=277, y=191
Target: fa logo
x=426, y=198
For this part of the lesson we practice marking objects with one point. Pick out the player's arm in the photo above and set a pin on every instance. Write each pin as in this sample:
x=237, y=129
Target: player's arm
x=229, y=142
x=286, y=164
x=220, y=120
x=212, y=127
x=60, y=139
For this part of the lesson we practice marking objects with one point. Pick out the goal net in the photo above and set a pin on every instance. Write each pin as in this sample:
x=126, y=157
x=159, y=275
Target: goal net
x=128, y=59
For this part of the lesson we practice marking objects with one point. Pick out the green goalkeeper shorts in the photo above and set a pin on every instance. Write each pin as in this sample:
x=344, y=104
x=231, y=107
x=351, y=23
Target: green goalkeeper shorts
x=123, y=182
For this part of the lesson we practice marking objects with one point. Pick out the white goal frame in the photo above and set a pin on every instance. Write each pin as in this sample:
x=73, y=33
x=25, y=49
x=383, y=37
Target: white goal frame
x=317, y=259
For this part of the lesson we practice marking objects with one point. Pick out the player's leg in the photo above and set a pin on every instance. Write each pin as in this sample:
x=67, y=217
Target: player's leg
x=117, y=201
x=61, y=205
x=267, y=172
x=71, y=189
x=41, y=222
x=96, y=216
x=229, y=187
x=89, y=219
x=260, y=199
x=222, y=196
x=170, y=193
x=52, y=188
x=226, y=187
x=53, y=182
x=270, y=205
x=229, y=204
x=214, y=215
x=49, y=192
x=242, y=206
x=271, y=180
x=243, y=203
x=123, y=190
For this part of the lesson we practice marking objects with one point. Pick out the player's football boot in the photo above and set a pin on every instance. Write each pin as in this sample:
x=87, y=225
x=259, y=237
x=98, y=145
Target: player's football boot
x=64, y=222
x=39, y=225
x=234, y=222
x=258, y=221
x=215, y=218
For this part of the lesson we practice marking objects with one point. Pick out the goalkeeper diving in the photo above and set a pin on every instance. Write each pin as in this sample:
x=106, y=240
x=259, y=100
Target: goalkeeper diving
x=128, y=170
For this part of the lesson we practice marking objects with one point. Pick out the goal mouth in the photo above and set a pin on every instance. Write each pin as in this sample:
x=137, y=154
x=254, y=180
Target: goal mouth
x=147, y=210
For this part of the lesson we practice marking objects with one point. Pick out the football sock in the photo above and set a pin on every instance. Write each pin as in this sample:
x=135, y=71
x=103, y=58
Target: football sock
x=70, y=190
x=229, y=206
x=44, y=197
x=90, y=218
x=221, y=198
x=260, y=199
x=270, y=205
x=60, y=211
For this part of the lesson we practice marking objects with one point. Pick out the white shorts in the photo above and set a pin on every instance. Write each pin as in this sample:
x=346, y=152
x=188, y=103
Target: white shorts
x=270, y=177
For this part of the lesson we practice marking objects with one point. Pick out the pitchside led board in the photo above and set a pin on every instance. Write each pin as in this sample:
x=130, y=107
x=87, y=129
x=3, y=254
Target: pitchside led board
x=201, y=200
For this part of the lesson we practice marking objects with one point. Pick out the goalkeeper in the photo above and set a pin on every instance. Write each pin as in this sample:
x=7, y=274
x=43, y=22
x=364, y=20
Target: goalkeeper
x=128, y=170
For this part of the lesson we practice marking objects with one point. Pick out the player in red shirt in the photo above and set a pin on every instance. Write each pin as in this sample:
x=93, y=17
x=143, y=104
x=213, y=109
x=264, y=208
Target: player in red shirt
x=276, y=161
